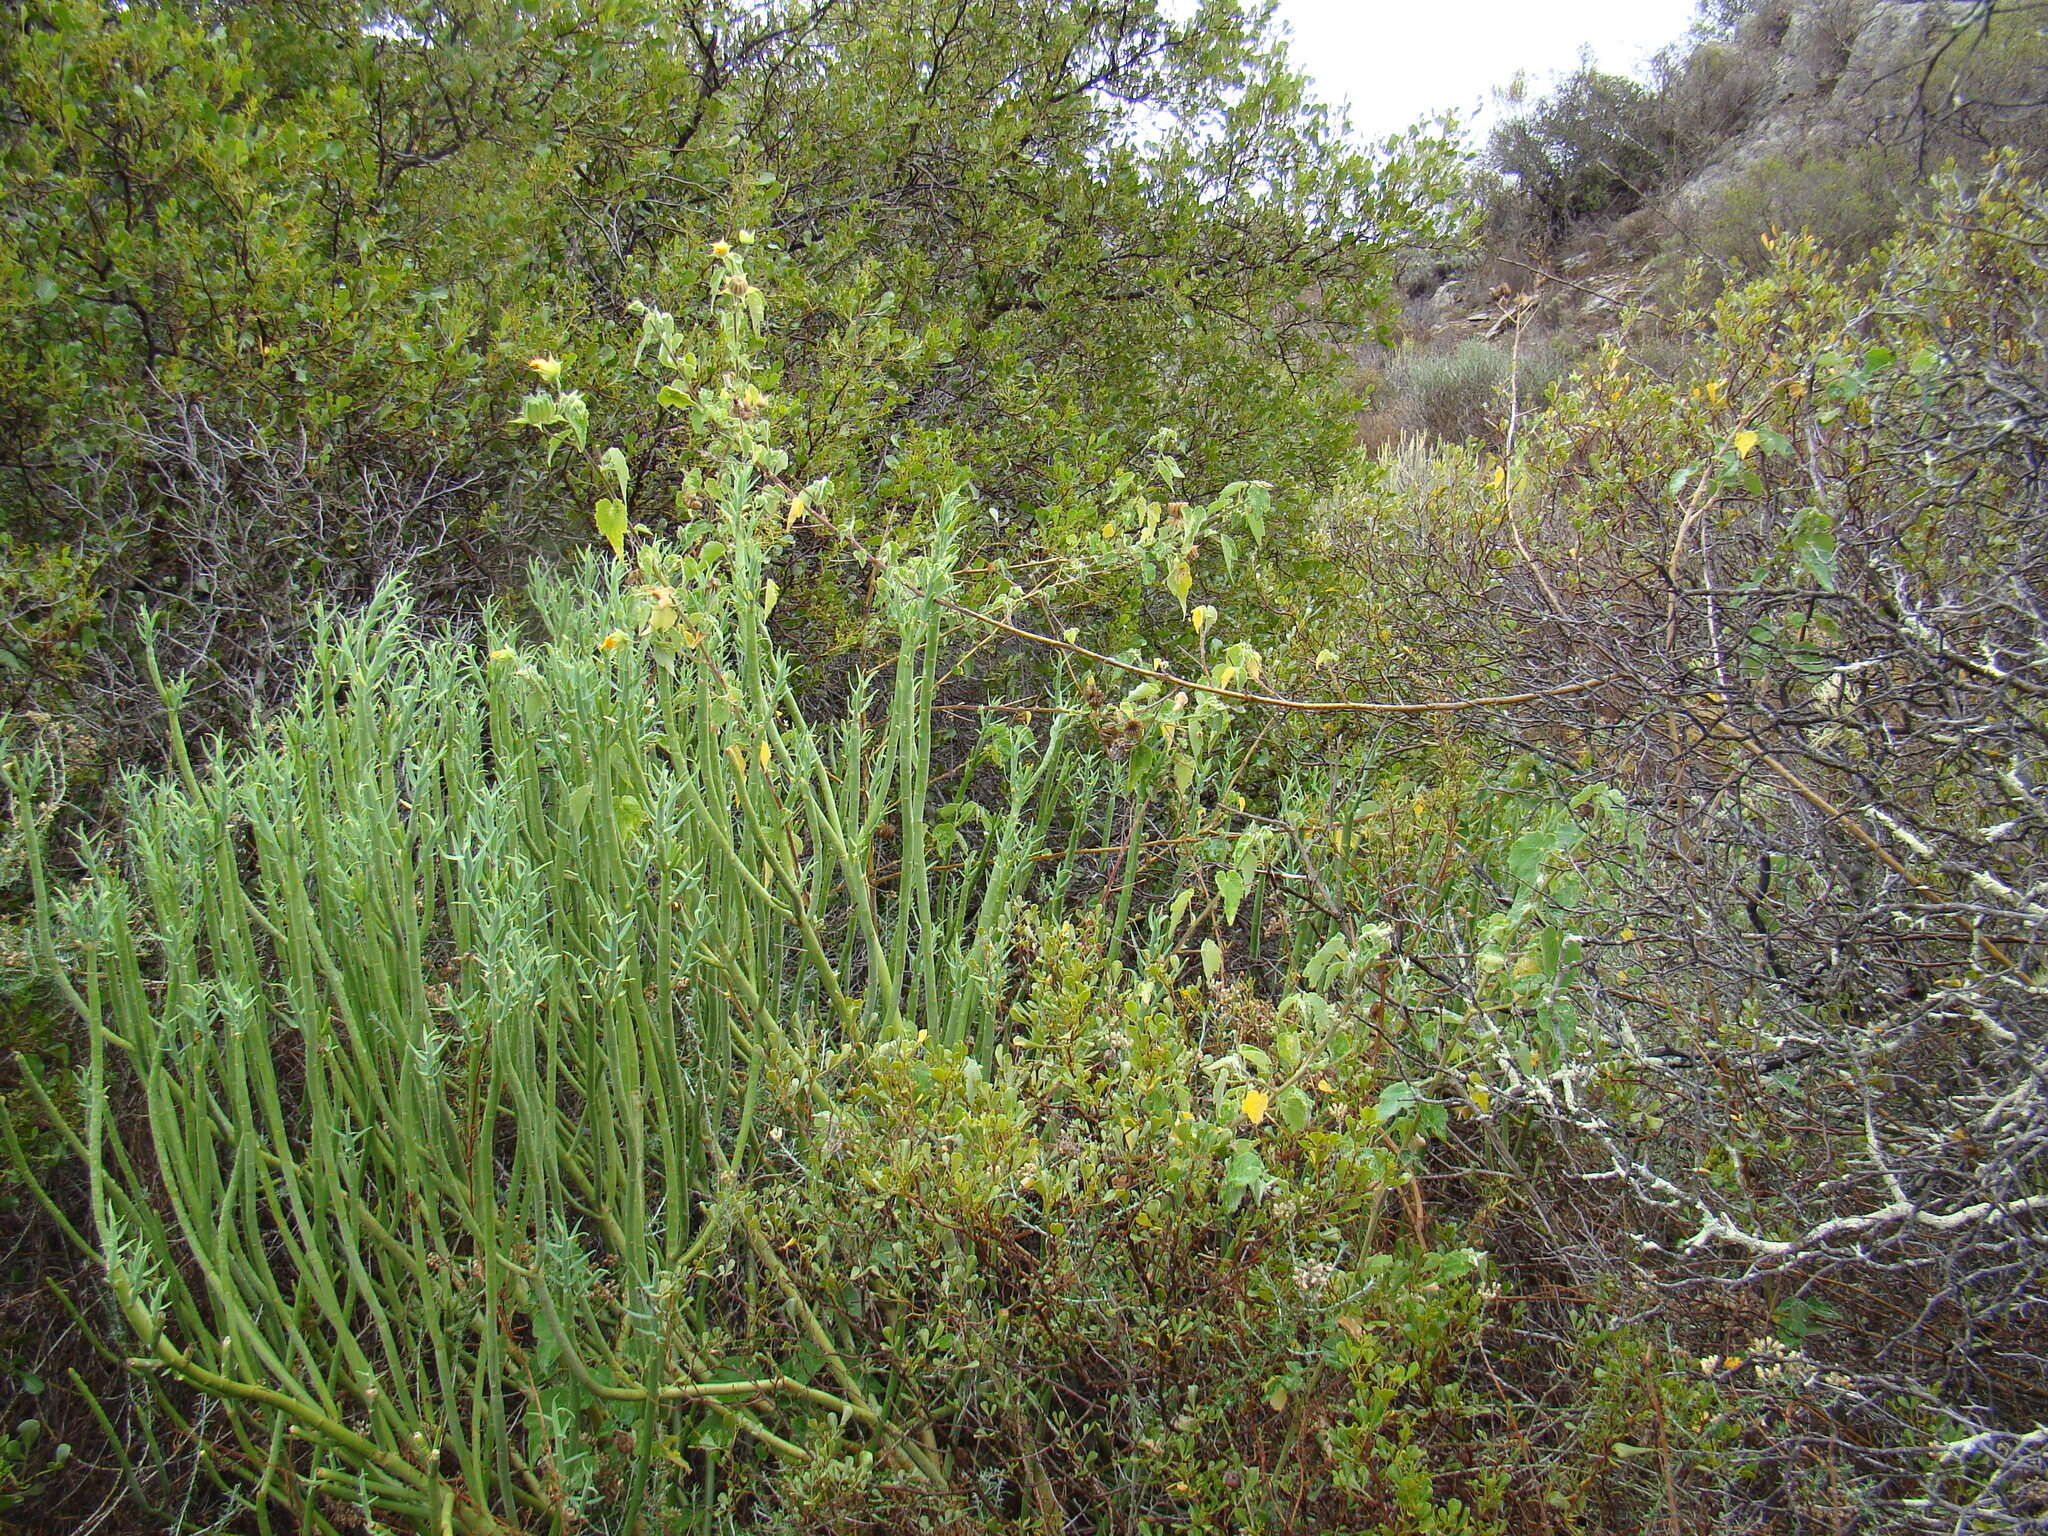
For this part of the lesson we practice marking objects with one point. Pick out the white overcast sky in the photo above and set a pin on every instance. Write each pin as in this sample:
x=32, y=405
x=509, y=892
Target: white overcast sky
x=1398, y=60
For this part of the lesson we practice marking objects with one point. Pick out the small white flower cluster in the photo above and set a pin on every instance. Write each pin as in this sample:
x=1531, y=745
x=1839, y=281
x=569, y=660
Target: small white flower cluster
x=1773, y=1364
x=1312, y=1277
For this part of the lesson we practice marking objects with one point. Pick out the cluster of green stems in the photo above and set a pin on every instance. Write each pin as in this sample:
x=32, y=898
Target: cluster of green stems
x=433, y=1032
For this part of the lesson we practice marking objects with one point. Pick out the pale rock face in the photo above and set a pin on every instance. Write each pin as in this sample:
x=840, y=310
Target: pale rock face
x=1844, y=72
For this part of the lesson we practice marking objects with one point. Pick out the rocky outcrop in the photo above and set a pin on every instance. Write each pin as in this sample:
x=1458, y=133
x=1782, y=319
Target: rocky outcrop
x=1837, y=75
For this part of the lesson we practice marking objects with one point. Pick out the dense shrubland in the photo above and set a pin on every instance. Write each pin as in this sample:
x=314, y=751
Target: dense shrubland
x=927, y=909
x=1805, y=573
x=1746, y=124
x=1607, y=203
x=269, y=274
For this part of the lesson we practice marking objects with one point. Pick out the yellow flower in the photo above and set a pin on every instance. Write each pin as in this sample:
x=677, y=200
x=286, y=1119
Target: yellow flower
x=720, y=248
x=549, y=368
x=502, y=654
x=1256, y=1103
x=612, y=641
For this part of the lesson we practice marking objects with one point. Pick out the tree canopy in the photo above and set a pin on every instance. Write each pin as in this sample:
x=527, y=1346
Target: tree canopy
x=269, y=273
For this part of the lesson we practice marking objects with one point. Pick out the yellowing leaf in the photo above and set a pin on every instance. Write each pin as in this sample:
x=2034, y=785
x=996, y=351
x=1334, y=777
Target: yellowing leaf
x=1745, y=443
x=769, y=593
x=611, y=522
x=1256, y=1103
x=765, y=754
x=1202, y=618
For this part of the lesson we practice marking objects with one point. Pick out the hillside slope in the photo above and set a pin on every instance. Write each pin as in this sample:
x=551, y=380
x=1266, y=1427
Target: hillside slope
x=1608, y=197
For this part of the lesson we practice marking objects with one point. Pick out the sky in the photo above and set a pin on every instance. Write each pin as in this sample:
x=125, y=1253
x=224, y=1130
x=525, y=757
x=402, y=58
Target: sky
x=1398, y=60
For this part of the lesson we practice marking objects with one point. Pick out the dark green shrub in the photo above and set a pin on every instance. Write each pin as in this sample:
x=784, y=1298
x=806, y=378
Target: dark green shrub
x=263, y=319
x=1851, y=203
x=1592, y=148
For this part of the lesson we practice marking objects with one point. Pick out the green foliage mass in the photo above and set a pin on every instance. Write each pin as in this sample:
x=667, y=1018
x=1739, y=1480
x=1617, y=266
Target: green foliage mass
x=574, y=1082
x=1788, y=578
x=269, y=275
x=1587, y=150
x=922, y=908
